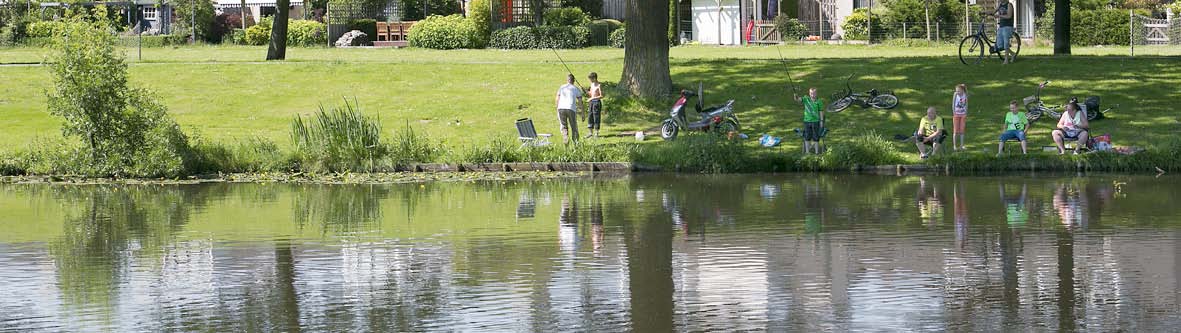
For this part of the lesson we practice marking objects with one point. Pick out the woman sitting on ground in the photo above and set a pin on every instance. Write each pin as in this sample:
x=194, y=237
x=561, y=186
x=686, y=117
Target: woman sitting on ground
x=1072, y=126
x=930, y=133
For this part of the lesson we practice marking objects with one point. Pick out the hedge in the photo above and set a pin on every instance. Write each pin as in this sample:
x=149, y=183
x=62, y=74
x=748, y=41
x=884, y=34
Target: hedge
x=544, y=37
x=445, y=33
x=299, y=33
x=618, y=37
x=1091, y=27
x=368, y=26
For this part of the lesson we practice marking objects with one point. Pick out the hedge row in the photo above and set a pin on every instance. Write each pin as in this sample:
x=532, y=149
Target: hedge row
x=543, y=37
x=299, y=33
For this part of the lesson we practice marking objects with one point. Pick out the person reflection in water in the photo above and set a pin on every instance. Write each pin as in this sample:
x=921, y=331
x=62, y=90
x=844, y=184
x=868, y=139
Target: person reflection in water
x=929, y=202
x=1070, y=203
x=596, y=220
x=961, y=215
x=813, y=208
x=568, y=225
x=1015, y=212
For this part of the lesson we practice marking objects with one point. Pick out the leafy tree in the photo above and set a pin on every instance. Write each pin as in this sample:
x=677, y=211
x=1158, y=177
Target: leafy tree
x=125, y=130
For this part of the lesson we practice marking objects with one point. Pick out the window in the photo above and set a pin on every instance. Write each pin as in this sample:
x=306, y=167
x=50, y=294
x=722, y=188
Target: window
x=860, y=4
x=149, y=13
x=267, y=11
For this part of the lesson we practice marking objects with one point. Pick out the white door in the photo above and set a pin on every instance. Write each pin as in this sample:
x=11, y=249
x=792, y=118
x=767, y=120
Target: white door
x=716, y=22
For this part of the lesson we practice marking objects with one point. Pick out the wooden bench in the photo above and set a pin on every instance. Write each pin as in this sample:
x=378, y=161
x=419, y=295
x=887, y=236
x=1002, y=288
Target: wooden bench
x=383, y=32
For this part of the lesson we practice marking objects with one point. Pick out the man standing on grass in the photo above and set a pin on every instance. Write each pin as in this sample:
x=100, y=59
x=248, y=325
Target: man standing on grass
x=569, y=100
x=813, y=120
x=1004, y=30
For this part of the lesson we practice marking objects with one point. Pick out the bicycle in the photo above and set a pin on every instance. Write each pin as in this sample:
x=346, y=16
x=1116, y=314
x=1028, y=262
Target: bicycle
x=1038, y=108
x=872, y=98
x=974, y=44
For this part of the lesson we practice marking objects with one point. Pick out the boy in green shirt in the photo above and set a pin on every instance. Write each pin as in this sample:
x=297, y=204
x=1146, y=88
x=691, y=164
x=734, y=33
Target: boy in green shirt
x=1016, y=124
x=813, y=120
x=930, y=133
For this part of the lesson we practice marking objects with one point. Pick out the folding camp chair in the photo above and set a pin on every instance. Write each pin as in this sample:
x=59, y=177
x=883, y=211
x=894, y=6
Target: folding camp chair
x=528, y=135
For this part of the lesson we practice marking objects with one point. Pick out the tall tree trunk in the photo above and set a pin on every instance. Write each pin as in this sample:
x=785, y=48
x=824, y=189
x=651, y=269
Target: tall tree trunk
x=287, y=312
x=927, y=13
x=245, y=14
x=1061, y=27
x=278, y=46
x=645, y=60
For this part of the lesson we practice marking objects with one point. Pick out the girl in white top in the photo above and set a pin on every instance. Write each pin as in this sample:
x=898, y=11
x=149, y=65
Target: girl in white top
x=959, y=115
x=1073, y=124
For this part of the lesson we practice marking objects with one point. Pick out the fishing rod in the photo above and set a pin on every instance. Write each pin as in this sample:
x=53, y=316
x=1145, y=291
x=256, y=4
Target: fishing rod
x=787, y=70
x=568, y=71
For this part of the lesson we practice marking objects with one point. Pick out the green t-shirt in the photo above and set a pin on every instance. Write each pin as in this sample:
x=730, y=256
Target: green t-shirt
x=812, y=108
x=1016, y=122
x=1015, y=214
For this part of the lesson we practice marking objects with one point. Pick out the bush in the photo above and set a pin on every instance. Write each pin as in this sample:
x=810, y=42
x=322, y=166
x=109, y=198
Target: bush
x=44, y=29
x=7, y=36
x=618, y=38
x=543, y=37
x=481, y=18
x=444, y=33
x=224, y=25
x=200, y=11
x=124, y=131
x=412, y=9
x=566, y=17
x=857, y=25
x=299, y=33
x=564, y=37
x=599, y=33
x=259, y=34
x=866, y=149
x=1099, y=27
x=593, y=8
x=307, y=33
x=515, y=38
x=791, y=29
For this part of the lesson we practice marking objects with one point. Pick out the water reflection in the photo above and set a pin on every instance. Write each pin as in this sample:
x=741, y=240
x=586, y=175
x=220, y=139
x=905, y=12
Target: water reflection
x=651, y=253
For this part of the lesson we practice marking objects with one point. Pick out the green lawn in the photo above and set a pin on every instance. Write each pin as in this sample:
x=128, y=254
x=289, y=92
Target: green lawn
x=466, y=97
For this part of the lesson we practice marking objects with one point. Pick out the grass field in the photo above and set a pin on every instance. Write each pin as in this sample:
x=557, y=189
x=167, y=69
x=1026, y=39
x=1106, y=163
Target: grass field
x=467, y=97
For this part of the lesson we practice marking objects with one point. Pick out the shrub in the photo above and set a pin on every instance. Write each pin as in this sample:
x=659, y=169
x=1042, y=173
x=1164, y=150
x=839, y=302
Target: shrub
x=866, y=149
x=45, y=29
x=566, y=17
x=481, y=18
x=259, y=34
x=224, y=25
x=563, y=37
x=857, y=25
x=515, y=38
x=600, y=32
x=1099, y=27
x=124, y=130
x=791, y=29
x=202, y=13
x=618, y=38
x=593, y=8
x=444, y=33
x=299, y=33
x=7, y=36
x=307, y=33
x=341, y=139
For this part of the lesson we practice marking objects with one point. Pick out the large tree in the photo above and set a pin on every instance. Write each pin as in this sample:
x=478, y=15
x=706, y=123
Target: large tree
x=1061, y=27
x=645, y=60
x=278, y=46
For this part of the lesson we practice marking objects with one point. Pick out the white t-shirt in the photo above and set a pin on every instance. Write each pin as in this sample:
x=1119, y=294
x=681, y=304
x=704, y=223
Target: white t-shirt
x=568, y=95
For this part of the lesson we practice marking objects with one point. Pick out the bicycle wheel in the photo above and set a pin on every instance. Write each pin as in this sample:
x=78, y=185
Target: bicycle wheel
x=971, y=50
x=884, y=101
x=840, y=104
x=1014, y=44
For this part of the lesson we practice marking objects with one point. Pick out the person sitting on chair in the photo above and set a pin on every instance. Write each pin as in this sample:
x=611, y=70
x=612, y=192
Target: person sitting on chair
x=1016, y=123
x=1072, y=126
x=930, y=133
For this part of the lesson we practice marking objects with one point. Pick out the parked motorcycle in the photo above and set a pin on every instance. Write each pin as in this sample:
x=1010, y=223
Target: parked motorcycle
x=872, y=98
x=720, y=119
x=1038, y=108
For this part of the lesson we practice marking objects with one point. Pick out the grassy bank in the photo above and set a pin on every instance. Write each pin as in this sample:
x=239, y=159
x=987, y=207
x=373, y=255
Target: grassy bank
x=462, y=104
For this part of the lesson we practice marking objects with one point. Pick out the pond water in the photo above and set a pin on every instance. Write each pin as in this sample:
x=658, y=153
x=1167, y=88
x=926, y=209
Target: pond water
x=645, y=253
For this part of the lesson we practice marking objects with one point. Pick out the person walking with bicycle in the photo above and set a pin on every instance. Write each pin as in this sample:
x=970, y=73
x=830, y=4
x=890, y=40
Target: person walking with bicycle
x=1004, y=30
x=813, y=119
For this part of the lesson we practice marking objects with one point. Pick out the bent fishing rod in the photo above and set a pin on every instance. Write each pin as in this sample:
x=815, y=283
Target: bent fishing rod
x=787, y=71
